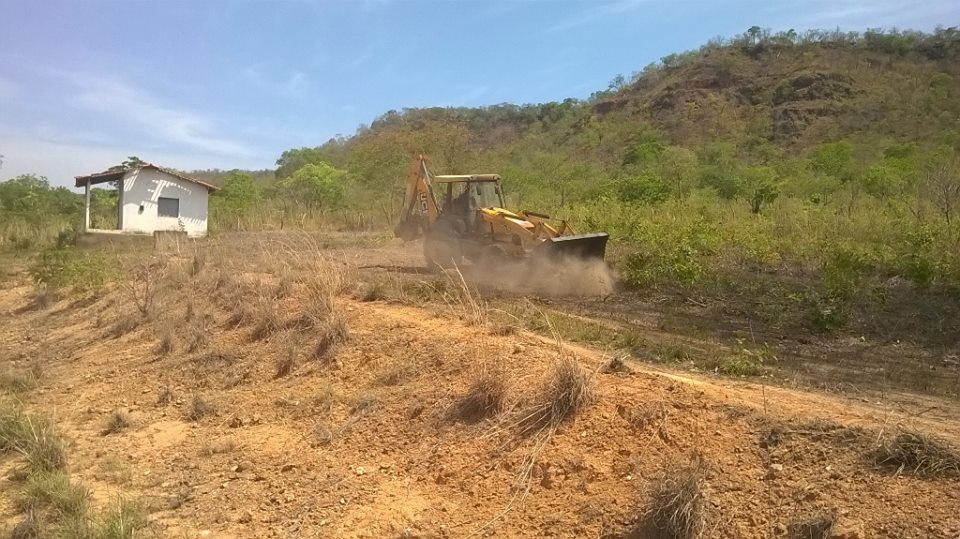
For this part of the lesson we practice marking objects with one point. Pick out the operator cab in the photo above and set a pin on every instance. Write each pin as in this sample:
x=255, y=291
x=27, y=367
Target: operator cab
x=467, y=194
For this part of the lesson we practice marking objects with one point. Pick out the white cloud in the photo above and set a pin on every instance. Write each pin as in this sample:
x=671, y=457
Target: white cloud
x=137, y=109
x=598, y=10
x=470, y=96
x=861, y=14
x=60, y=160
x=293, y=86
x=360, y=59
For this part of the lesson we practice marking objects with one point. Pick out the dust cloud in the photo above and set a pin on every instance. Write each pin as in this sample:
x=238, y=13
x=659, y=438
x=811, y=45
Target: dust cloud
x=566, y=276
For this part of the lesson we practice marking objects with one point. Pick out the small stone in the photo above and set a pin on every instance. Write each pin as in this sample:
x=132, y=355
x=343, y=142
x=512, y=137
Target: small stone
x=245, y=517
x=343, y=501
x=287, y=467
x=360, y=470
x=774, y=471
x=517, y=348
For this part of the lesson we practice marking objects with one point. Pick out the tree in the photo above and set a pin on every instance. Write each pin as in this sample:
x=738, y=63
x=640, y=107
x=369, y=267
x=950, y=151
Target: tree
x=236, y=197
x=942, y=186
x=834, y=159
x=678, y=166
x=760, y=186
x=315, y=187
x=25, y=193
x=294, y=159
x=133, y=162
x=646, y=188
x=238, y=193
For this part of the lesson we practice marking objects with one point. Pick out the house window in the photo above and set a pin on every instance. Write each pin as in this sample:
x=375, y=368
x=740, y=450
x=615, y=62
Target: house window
x=168, y=207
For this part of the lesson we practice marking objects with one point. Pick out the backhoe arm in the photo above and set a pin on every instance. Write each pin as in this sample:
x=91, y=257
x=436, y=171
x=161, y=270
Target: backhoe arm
x=420, y=208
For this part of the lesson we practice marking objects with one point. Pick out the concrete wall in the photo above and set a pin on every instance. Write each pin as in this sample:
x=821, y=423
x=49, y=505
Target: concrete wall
x=142, y=188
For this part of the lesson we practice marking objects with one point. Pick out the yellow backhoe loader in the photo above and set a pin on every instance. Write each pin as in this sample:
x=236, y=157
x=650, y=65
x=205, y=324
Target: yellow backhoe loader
x=471, y=223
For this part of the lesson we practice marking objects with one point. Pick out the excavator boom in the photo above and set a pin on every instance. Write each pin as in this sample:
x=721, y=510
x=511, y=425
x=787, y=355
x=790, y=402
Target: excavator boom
x=420, y=208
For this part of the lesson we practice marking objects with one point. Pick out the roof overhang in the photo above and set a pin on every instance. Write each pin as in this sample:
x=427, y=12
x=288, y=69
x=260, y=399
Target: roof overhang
x=100, y=177
x=453, y=178
x=117, y=175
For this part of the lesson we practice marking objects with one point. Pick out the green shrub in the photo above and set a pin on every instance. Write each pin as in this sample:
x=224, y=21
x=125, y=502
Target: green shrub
x=84, y=273
x=645, y=188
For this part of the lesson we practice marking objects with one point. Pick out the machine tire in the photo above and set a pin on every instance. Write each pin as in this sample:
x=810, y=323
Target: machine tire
x=494, y=257
x=441, y=246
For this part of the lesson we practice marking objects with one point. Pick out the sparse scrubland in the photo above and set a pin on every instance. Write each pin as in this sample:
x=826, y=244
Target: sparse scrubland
x=782, y=210
x=257, y=383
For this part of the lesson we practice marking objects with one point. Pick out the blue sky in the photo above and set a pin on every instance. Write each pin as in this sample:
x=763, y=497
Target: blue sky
x=232, y=83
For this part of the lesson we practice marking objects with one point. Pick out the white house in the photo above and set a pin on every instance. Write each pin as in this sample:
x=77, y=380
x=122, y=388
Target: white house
x=151, y=199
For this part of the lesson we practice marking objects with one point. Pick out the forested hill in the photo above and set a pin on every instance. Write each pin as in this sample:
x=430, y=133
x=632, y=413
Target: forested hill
x=757, y=99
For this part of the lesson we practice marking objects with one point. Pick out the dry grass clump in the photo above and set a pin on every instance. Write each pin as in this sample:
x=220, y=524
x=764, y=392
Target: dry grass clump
x=266, y=320
x=616, y=365
x=503, y=330
x=122, y=520
x=323, y=435
x=284, y=286
x=21, y=380
x=566, y=391
x=486, y=396
x=123, y=324
x=33, y=438
x=364, y=403
x=166, y=396
x=284, y=364
x=676, y=508
x=55, y=491
x=197, y=263
x=214, y=361
x=198, y=338
x=395, y=375
x=117, y=421
x=919, y=454
x=167, y=344
x=198, y=408
x=324, y=400
x=217, y=448
x=43, y=298
x=375, y=291
x=817, y=526
x=31, y=527
x=334, y=332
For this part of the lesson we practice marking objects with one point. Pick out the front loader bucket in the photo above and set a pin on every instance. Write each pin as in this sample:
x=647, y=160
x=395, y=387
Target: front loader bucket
x=583, y=246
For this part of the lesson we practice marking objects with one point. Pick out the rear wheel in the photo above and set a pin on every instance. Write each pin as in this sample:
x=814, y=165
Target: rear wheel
x=493, y=257
x=441, y=246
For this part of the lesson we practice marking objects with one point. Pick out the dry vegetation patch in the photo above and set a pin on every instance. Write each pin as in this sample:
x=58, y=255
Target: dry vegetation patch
x=486, y=396
x=566, y=391
x=919, y=454
x=817, y=526
x=117, y=421
x=676, y=508
x=198, y=408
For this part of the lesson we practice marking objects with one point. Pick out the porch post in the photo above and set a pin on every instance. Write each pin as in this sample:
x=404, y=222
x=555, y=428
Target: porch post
x=120, y=204
x=86, y=206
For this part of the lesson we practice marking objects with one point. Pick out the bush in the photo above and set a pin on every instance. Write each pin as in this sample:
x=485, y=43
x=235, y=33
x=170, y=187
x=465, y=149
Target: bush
x=646, y=188
x=84, y=273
